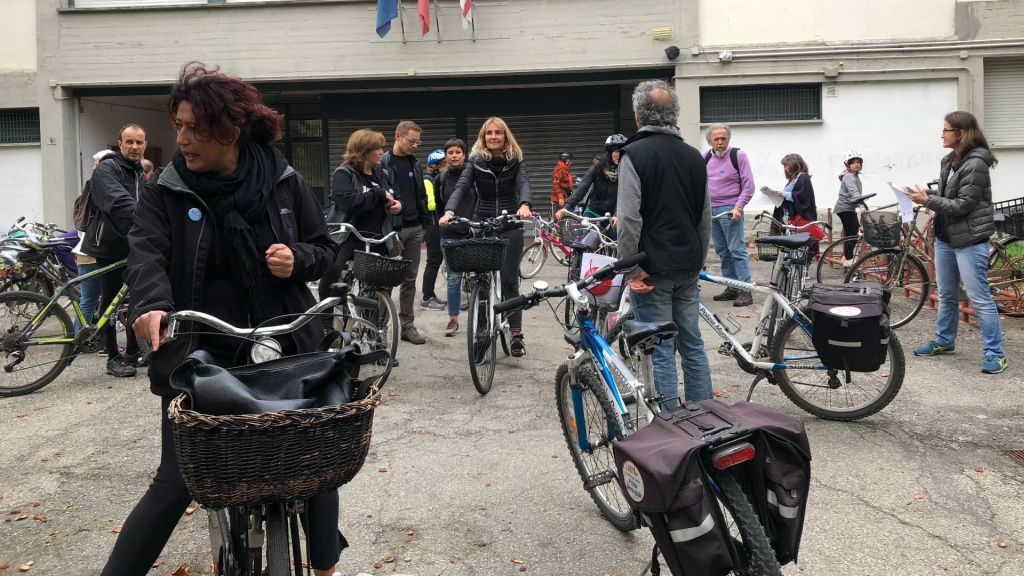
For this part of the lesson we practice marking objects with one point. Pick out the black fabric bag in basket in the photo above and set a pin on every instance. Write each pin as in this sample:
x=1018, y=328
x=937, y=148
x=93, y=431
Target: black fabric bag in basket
x=376, y=270
x=298, y=450
x=475, y=254
x=881, y=229
x=851, y=325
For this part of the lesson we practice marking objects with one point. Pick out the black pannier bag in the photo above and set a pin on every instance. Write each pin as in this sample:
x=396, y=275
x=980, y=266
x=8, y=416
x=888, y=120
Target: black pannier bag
x=661, y=471
x=662, y=475
x=851, y=325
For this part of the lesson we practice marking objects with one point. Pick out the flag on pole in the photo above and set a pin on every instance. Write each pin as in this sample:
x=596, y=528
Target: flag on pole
x=423, y=7
x=467, y=12
x=387, y=10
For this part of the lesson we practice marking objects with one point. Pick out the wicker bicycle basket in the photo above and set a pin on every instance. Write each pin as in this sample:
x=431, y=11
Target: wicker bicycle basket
x=475, y=254
x=253, y=459
x=881, y=229
x=376, y=270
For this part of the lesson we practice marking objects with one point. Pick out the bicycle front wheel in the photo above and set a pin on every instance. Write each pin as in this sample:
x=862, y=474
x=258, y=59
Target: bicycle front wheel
x=532, y=260
x=384, y=316
x=833, y=394
x=589, y=423
x=902, y=274
x=1006, y=276
x=32, y=360
x=480, y=338
x=830, y=262
x=277, y=541
x=754, y=550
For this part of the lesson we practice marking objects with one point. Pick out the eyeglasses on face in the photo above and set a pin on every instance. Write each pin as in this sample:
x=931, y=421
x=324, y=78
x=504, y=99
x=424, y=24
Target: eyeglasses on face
x=944, y=130
x=411, y=141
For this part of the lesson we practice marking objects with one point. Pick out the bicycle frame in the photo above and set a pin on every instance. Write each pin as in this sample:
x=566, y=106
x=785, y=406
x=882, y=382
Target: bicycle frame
x=88, y=330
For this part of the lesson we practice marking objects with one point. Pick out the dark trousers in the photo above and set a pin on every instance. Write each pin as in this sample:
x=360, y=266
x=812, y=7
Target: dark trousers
x=110, y=285
x=151, y=522
x=510, y=274
x=850, y=228
x=432, y=236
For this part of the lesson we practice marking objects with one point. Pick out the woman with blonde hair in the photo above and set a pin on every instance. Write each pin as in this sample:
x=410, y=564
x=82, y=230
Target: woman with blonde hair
x=361, y=196
x=497, y=172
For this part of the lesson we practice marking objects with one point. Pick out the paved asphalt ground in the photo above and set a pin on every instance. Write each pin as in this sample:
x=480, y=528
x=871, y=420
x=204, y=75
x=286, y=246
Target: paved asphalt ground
x=462, y=485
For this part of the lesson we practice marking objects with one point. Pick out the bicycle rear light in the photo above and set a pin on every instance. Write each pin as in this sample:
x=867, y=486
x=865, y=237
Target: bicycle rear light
x=733, y=455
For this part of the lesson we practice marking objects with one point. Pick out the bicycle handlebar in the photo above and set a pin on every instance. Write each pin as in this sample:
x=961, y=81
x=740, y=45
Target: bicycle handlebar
x=771, y=219
x=526, y=301
x=346, y=227
x=584, y=219
x=174, y=318
x=504, y=218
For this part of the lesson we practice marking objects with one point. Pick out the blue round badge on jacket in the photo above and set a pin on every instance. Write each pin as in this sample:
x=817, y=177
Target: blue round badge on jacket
x=194, y=214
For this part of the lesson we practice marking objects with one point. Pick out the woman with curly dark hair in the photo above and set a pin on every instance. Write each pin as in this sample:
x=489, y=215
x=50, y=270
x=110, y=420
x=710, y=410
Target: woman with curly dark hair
x=234, y=231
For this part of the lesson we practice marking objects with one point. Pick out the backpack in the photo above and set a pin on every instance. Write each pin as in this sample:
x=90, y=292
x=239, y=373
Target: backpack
x=82, y=210
x=851, y=325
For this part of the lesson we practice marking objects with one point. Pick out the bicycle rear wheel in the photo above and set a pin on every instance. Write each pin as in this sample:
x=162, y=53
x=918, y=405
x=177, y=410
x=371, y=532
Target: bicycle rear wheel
x=754, y=550
x=903, y=274
x=1006, y=276
x=830, y=262
x=481, y=338
x=833, y=394
x=532, y=260
x=28, y=363
x=590, y=402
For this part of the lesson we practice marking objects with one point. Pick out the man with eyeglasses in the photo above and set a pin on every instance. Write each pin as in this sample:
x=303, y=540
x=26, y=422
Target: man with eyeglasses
x=407, y=175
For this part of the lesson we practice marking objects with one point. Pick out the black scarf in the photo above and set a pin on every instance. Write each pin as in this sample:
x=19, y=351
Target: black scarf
x=238, y=202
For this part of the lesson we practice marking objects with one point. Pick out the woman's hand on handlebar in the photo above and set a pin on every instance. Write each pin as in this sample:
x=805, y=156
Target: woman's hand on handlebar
x=560, y=214
x=639, y=285
x=445, y=220
x=149, y=327
x=524, y=212
x=280, y=260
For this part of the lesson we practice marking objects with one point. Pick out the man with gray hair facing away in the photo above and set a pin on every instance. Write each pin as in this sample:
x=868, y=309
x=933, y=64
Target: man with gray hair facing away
x=664, y=210
x=731, y=186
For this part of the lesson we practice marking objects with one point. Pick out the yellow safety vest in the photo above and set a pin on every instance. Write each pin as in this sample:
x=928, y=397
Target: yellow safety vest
x=431, y=202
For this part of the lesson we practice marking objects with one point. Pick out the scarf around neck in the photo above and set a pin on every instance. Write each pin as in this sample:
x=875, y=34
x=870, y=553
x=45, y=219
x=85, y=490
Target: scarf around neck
x=238, y=201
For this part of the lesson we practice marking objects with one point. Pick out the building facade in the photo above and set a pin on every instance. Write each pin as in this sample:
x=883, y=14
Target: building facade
x=816, y=77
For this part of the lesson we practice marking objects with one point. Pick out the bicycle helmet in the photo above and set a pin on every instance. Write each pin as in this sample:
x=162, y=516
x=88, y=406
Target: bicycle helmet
x=614, y=142
x=852, y=155
x=435, y=157
x=565, y=156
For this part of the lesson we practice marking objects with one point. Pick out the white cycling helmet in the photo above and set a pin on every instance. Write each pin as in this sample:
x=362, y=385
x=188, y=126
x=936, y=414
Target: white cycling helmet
x=852, y=155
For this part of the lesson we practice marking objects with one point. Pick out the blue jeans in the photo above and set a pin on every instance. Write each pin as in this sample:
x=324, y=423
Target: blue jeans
x=676, y=298
x=969, y=265
x=727, y=235
x=454, y=293
x=89, y=294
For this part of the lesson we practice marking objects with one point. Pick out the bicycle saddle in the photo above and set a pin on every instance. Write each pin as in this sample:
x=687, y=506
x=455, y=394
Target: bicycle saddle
x=635, y=331
x=793, y=241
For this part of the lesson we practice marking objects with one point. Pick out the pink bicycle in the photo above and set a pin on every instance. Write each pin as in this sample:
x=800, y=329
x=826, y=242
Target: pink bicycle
x=548, y=239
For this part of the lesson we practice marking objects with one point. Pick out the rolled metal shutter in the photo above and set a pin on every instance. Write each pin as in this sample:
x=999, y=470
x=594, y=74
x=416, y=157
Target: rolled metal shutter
x=436, y=131
x=544, y=137
x=1004, y=107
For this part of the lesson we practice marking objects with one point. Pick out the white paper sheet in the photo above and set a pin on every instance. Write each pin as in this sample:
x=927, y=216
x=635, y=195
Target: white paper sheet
x=775, y=198
x=906, y=204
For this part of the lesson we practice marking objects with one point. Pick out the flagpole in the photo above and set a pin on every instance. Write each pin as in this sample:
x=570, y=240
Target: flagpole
x=437, y=20
x=401, y=18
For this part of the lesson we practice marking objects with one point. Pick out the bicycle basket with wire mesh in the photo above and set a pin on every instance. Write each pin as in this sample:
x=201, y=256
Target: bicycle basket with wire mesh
x=881, y=228
x=376, y=270
x=475, y=254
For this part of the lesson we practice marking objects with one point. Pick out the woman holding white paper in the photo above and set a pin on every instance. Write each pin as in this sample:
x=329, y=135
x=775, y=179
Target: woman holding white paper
x=964, y=221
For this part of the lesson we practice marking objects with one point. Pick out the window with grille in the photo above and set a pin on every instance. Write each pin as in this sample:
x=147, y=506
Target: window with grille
x=766, y=103
x=19, y=126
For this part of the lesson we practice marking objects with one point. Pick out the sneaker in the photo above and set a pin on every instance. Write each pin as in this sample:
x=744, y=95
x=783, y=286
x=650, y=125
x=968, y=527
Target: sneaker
x=726, y=295
x=119, y=367
x=933, y=348
x=432, y=303
x=848, y=263
x=743, y=299
x=138, y=360
x=452, y=327
x=993, y=365
x=518, y=347
x=411, y=335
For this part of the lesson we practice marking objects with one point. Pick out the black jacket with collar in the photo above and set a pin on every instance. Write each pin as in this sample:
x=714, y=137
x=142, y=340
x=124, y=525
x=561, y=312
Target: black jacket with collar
x=116, y=184
x=387, y=162
x=171, y=243
x=507, y=190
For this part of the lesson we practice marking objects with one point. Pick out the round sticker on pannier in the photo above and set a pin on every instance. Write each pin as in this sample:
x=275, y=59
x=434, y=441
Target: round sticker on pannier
x=845, y=311
x=633, y=481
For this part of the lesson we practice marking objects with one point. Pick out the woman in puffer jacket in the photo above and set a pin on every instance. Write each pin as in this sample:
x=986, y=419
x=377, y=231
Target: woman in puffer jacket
x=963, y=223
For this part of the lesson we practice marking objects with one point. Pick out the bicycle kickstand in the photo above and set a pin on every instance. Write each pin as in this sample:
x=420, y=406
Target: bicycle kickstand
x=761, y=375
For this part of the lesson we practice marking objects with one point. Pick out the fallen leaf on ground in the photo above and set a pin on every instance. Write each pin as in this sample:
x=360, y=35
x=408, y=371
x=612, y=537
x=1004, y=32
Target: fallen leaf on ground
x=20, y=517
x=39, y=518
x=4, y=565
x=522, y=568
x=117, y=530
x=517, y=561
x=918, y=497
x=190, y=511
x=979, y=469
x=37, y=504
x=378, y=565
x=487, y=485
x=382, y=469
x=718, y=394
x=389, y=559
x=1001, y=544
x=26, y=566
x=182, y=570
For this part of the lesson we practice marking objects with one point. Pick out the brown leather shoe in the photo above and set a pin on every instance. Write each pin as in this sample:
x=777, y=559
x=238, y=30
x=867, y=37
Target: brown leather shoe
x=743, y=299
x=452, y=327
x=726, y=295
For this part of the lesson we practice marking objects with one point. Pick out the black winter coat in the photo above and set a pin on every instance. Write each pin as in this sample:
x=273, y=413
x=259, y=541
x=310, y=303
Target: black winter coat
x=363, y=208
x=964, y=202
x=508, y=189
x=171, y=248
x=116, y=183
x=421, y=190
